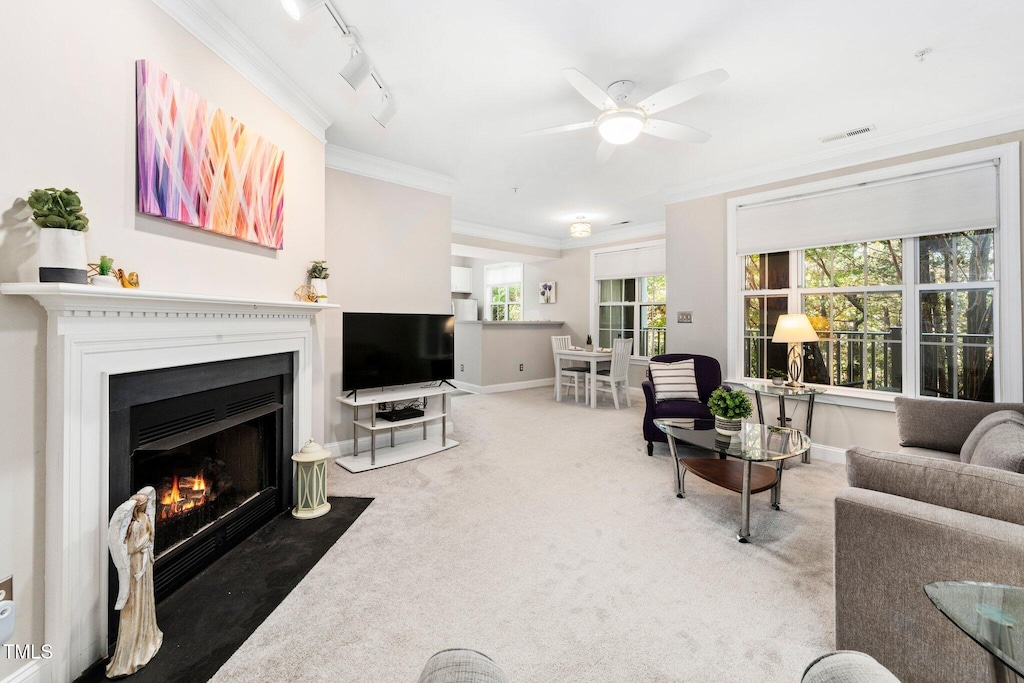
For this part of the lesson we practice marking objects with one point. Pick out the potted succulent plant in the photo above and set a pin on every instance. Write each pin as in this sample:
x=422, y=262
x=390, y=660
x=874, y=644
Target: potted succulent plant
x=105, y=278
x=590, y=343
x=62, y=238
x=729, y=408
x=317, y=274
x=778, y=377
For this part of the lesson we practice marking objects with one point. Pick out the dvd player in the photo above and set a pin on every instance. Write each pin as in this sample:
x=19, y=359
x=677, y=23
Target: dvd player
x=400, y=414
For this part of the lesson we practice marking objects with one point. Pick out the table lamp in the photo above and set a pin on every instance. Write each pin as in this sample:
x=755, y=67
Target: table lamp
x=794, y=329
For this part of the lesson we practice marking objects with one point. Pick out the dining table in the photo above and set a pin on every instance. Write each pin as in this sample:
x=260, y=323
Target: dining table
x=592, y=358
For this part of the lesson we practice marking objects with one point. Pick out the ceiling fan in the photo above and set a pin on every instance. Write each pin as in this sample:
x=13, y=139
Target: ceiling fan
x=620, y=122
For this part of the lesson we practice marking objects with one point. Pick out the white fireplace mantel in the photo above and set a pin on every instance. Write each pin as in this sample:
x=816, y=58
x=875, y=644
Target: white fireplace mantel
x=93, y=333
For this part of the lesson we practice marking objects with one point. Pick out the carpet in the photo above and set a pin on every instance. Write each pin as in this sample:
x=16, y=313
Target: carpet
x=550, y=541
x=208, y=618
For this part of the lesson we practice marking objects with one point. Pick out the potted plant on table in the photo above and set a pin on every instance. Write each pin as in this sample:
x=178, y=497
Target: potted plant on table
x=729, y=408
x=62, y=238
x=590, y=343
x=318, y=275
x=778, y=377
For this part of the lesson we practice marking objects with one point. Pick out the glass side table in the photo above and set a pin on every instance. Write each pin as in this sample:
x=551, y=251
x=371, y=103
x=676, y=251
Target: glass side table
x=783, y=392
x=989, y=614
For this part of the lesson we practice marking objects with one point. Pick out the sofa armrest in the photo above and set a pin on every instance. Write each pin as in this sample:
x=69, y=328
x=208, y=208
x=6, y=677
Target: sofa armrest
x=942, y=424
x=984, y=491
x=887, y=549
x=847, y=667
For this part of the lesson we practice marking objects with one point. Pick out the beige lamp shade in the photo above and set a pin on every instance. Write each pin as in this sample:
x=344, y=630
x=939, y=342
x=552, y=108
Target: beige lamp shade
x=793, y=328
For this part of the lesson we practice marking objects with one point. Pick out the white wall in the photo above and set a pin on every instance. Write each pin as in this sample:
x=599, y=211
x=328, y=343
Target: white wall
x=389, y=251
x=68, y=119
x=696, y=235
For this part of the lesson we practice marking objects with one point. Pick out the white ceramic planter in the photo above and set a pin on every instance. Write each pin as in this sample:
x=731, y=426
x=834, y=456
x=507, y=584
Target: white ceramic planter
x=320, y=285
x=62, y=256
x=105, y=281
x=728, y=427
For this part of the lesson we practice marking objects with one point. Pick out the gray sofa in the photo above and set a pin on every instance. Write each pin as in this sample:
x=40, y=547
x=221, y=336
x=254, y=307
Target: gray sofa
x=906, y=521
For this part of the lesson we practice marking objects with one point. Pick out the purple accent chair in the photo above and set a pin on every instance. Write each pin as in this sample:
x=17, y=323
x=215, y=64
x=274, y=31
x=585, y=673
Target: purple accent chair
x=709, y=378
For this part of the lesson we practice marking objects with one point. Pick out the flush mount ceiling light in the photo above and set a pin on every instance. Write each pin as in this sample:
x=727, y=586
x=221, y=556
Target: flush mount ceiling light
x=386, y=110
x=297, y=9
x=579, y=228
x=357, y=70
x=621, y=126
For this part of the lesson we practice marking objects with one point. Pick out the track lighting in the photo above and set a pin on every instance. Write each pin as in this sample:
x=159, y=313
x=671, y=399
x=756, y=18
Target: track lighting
x=386, y=110
x=357, y=70
x=297, y=9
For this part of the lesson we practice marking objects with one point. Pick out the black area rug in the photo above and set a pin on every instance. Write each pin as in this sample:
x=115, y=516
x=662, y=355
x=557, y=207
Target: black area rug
x=208, y=618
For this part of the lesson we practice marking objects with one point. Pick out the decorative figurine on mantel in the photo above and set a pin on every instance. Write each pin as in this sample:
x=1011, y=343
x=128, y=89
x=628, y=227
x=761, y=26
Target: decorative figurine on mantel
x=130, y=539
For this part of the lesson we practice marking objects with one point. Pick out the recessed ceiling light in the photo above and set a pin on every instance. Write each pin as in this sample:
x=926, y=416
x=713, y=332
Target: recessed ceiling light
x=579, y=228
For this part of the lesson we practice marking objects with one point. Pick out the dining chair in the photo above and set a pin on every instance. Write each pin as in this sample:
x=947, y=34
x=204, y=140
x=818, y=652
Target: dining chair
x=568, y=375
x=617, y=376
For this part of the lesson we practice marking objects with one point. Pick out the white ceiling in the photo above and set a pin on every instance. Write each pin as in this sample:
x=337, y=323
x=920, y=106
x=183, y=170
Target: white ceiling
x=470, y=75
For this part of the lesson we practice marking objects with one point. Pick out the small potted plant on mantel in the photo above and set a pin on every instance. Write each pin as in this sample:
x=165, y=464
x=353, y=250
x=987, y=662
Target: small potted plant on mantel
x=729, y=408
x=105, y=278
x=778, y=377
x=62, y=237
x=318, y=275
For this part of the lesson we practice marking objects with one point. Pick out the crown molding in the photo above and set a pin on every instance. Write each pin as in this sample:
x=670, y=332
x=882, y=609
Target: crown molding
x=1000, y=121
x=490, y=232
x=360, y=163
x=631, y=232
x=216, y=31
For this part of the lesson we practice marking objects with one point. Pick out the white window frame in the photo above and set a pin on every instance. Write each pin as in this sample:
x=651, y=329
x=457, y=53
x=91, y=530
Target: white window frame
x=1007, y=283
x=638, y=304
x=595, y=295
x=488, y=287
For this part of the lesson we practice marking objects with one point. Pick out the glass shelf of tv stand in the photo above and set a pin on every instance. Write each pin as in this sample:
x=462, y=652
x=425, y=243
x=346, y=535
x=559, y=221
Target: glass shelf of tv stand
x=366, y=397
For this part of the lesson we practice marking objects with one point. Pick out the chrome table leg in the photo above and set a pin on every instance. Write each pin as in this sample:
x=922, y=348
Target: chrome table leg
x=777, y=489
x=680, y=493
x=744, y=534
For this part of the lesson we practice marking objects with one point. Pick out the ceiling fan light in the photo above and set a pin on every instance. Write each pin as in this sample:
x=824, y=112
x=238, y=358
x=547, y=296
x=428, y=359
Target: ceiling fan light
x=579, y=229
x=357, y=70
x=620, y=126
x=297, y=9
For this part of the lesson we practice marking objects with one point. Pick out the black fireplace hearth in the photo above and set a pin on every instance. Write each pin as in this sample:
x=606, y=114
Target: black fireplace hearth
x=211, y=440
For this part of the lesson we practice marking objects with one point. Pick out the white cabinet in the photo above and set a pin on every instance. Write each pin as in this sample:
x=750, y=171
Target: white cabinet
x=462, y=279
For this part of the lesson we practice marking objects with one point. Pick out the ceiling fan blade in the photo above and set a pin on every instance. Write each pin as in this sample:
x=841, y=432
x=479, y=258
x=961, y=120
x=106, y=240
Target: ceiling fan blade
x=675, y=131
x=604, y=150
x=594, y=93
x=681, y=92
x=559, y=129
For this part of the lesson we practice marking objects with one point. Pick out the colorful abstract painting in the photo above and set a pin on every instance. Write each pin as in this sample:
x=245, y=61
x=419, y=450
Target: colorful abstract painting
x=202, y=167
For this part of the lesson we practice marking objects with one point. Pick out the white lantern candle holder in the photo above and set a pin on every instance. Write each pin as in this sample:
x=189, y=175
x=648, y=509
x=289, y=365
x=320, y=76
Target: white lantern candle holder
x=311, y=481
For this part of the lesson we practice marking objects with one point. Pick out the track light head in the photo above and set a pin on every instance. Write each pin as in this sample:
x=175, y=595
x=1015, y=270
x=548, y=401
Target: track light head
x=386, y=110
x=297, y=9
x=357, y=70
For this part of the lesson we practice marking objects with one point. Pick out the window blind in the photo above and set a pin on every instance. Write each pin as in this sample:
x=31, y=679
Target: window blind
x=503, y=273
x=639, y=262
x=949, y=200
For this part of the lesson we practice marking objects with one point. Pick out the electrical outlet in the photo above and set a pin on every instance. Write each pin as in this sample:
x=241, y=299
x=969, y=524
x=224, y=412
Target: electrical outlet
x=520, y=367
x=7, y=589
x=684, y=317
x=462, y=367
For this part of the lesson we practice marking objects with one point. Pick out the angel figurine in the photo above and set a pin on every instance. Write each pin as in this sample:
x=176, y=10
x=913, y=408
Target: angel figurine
x=130, y=538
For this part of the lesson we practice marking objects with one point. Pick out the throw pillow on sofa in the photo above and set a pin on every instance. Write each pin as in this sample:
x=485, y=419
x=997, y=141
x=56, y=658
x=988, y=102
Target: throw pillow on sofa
x=987, y=423
x=1002, y=447
x=674, y=381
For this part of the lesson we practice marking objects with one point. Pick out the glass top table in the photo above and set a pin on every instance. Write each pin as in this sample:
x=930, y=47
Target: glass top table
x=755, y=443
x=784, y=391
x=989, y=614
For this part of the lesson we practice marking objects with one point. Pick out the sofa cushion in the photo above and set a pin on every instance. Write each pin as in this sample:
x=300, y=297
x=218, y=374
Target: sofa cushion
x=988, y=422
x=942, y=424
x=1002, y=447
x=928, y=453
x=984, y=491
x=674, y=381
x=681, y=409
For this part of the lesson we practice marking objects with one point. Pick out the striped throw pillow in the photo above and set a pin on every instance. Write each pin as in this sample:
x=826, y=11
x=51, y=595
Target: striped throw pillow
x=674, y=381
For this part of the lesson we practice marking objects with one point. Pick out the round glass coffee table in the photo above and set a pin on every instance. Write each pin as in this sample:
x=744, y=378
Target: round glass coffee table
x=756, y=443
x=989, y=614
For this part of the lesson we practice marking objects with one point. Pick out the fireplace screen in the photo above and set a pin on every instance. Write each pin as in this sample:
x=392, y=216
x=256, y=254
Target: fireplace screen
x=200, y=481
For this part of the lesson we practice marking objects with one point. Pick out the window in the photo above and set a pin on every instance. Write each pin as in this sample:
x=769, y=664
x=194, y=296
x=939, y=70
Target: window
x=633, y=308
x=628, y=296
x=504, y=291
x=916, y=312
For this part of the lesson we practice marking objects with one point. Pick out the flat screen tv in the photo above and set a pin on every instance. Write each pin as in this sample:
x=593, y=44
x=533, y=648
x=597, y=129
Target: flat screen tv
x=387, y=349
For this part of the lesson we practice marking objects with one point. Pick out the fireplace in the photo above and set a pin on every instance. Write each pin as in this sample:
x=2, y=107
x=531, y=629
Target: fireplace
x=210, y=439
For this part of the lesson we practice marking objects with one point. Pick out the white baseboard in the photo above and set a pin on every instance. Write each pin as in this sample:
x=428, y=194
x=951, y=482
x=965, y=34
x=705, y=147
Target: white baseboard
x=508, y=386
x=36, y=671
x=403, y=435
x=828, y=453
